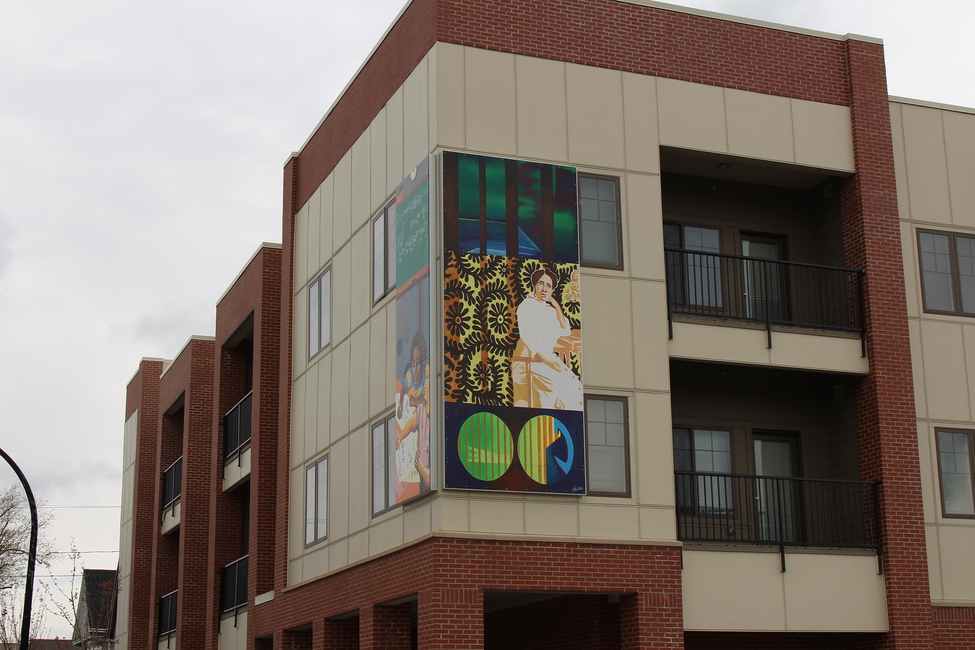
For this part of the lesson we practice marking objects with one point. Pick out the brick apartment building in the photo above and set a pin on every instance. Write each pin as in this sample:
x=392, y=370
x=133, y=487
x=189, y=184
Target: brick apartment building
x=596, y=324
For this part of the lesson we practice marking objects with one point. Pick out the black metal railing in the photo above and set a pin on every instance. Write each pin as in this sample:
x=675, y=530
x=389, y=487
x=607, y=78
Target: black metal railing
x=233, y=585
x=237, y=426
x=172, y=487
x=167, y=613
x=771, y=292
x=775, y=511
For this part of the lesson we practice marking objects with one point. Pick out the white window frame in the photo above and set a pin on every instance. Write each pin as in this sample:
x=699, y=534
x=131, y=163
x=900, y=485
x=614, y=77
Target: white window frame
x=383, y=447
x=316, y=501
x=320, y=313
x=383, y=252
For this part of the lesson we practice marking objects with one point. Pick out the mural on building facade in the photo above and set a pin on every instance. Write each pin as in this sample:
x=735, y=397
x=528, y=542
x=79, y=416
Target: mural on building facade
x=512, y=330
x=411, y=468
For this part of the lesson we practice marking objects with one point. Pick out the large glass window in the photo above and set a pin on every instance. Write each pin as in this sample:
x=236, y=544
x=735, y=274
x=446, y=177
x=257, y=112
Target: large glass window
x=706, y=452
x=320, y=313
x=600, y=239
x=316, y=501
x=383, y=451
x=384, y=252
x=608, y=466
x=947, y=272
x=955, y=467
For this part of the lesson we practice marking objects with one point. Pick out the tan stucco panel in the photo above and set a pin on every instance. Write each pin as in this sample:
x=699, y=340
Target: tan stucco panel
x=823, y=135
x=489, y=100
x=541, y=106
x=927, y=172
x=955, y=543
x=959, y=137
x=759, y=126
x=595, y=116
x=945, y=371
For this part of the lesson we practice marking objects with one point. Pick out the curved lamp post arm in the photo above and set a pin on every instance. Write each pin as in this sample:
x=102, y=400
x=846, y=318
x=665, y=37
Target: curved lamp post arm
x=31, y=554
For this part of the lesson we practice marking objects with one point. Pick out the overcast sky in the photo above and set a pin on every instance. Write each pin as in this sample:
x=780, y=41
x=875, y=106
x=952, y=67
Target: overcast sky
x=141, y=149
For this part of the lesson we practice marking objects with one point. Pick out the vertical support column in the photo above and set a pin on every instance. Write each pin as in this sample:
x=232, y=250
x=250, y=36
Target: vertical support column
x=651, y=620
x=386, y=627
x=450, y=619
x=340, y=635
x=886, y=420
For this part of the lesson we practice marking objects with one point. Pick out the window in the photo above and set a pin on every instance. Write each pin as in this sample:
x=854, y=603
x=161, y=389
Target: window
x=706, y=452
x=320, y=313
x=947, y=272
x=955, y=468
x=383, y=457
x=316, y=501
x=607, y=447
x=693, y=279
x=384, y=252
x=600, y=237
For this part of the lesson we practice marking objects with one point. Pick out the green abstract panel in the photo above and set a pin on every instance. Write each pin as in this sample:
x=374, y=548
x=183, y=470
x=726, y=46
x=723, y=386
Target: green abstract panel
x=485, y=446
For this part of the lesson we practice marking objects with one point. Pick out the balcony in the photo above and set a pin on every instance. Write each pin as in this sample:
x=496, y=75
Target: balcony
x=167, y=614
x=777, y=511
x=773, y=293
x=237, y=427
x=233, y=585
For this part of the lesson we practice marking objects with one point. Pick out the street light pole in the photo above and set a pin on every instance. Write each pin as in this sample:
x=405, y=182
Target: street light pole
x=31, y=554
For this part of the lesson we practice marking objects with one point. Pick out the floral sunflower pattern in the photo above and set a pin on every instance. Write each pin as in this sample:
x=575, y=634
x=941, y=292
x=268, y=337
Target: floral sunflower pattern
x=481, y=298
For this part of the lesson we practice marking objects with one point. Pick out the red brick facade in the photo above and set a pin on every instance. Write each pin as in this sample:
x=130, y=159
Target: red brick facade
x=441, y=593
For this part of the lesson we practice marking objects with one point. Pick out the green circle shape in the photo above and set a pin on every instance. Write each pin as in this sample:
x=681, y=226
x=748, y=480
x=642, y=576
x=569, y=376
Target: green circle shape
x=485, y=446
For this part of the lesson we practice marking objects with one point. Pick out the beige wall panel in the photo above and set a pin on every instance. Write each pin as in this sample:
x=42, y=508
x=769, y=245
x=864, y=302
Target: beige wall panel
x=233, y=632
x=927, y=172
x=928, y=460
x=385, y=534
x=912, y=276
x=759, y=126
x=430, y=62
x=642, y=226
x=945, y=371
x=917, y=364
x=339, y=490
x=238, y=471
x=358, y=547
x=322, y=438
x=640, y=123
x=417, y=521
x=341, y=294
x=342, y=201
x=361, y=185
x=692, y=116
x=314, y=563
x=339, y=404
x=359, y=378
x=489, y=100
x=834, y=592
x=312, y=236
x=658, y=524
x=377, y=161
x=394, y=140
x=968, y=336
x=302, y=272
x=900, y=161
x=361, y=297
x=607, y=334
x=749, y=346
x=604, y=520
x=416, y=118
x=391, y=370
x=338, y=554
x=298, y=431
x=959, y=129
x=296, y=532
x=651, y=369
x=454, y=513
x=541, y=106
x=732, y=591
x=552, y=517
x=326, y=243
x=451, y=108
x=823, y=135
x=497, y=515
x=651, y=444
x=310, y=424
x=958, y=575
x=379, y=384
x=360, y=496
x=595, y=116
x=934, y=562
x=299, y=346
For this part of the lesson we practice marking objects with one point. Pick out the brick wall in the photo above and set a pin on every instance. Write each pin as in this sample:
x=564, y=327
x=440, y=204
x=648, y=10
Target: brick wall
x=954, y=627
